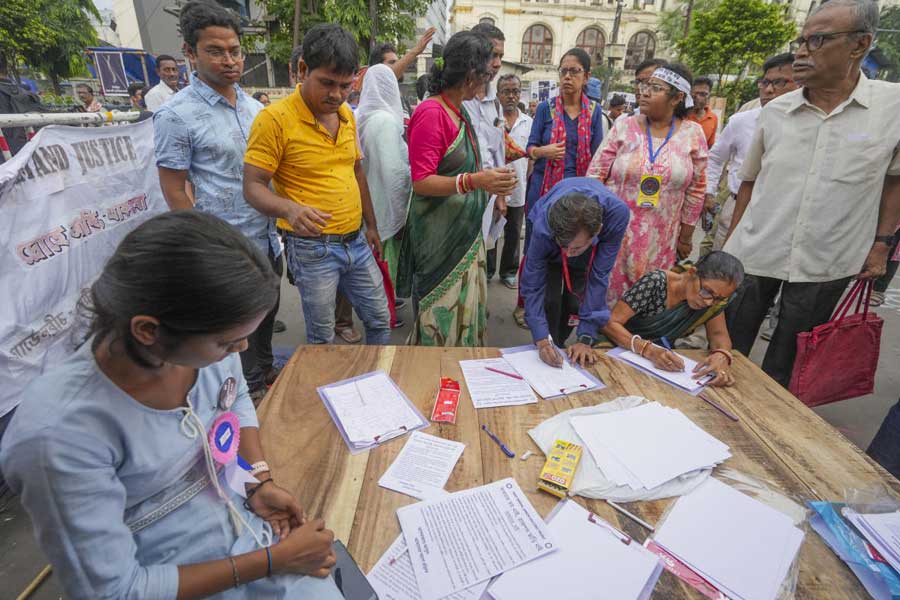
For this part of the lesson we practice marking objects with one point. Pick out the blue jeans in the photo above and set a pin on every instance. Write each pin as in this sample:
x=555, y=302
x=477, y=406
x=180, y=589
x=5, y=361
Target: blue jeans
x=320, y=269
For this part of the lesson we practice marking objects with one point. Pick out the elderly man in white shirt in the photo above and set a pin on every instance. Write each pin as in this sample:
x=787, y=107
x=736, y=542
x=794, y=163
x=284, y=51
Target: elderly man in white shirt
x=820, y=197
x=518, y=128
x=159, y=94
x=732, y=145
x=487, y=117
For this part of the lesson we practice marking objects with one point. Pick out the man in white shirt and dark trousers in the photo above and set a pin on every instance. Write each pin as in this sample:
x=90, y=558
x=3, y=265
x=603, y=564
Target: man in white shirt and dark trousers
x=733, y=143
x=487, y=117
x=820, y=197
x=518, y=127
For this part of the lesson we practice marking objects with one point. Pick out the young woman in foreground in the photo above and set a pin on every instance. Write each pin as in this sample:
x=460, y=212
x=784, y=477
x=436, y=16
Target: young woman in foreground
x=110, y=450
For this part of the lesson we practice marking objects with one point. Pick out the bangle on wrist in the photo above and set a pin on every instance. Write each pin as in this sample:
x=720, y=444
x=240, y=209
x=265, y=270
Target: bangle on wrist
x=635, y=337
x=884, y=239
x=252, y=491
x=268, y=561
x=234, y=572
x=644, y=349
x=724, y=353
x=259, y=467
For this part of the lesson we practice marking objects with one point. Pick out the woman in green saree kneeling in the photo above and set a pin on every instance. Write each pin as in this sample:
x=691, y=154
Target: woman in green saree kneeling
x=442, y=257
x=671, y=305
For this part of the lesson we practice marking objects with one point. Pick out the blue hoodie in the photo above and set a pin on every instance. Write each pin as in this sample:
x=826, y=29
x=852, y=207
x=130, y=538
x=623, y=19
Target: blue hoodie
x=543, y=249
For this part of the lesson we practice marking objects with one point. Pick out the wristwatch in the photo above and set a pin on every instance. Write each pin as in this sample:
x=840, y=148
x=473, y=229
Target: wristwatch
x=586, y=339
x=884, y=239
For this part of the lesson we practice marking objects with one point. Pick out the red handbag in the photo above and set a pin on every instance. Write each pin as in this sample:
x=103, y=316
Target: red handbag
x=837, y=360
x=388, y=287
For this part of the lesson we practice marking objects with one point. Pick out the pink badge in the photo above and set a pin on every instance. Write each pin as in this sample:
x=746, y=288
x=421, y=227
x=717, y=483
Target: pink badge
x=225, y=437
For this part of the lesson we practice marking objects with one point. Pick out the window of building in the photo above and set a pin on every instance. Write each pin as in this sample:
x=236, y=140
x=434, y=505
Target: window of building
x=592, y=41
x=487, y=20
x=641, y=46
x=537, y=45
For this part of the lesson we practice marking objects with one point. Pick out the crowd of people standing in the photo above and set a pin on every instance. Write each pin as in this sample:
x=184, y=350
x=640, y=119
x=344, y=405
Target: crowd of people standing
x=328, y=191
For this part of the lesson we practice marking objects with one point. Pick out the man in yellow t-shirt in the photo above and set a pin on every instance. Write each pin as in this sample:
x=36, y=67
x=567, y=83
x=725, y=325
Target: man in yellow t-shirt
x=305, y=146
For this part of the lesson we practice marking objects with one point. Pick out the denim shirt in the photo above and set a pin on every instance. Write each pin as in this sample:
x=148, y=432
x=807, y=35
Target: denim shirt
x=200, y=132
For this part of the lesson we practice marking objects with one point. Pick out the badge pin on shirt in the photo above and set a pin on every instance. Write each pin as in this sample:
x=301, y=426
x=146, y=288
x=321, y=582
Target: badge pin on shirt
x=228, y=394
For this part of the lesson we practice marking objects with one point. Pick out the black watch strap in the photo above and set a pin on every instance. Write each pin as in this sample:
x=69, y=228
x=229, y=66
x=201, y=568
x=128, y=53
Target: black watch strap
x=884, y=239
x=586, y=339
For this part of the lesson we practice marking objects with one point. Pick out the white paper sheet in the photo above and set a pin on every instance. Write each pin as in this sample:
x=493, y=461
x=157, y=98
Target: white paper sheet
x=590, y=558
x=647, y=445
x=548, y=381
x=739, y=544
x=882, y=530
x=369, y=408
x=683, y=379
x=488, y=388
x=468, y=537
x=423, y=466
x=495, y=231
x=393, y=578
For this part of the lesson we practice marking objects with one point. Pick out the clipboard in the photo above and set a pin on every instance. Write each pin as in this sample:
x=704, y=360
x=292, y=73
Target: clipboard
x=419, y=421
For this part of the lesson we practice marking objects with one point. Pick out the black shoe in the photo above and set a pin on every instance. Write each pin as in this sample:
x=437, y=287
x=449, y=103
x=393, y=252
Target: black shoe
x=399, y=303
x=279, y=327
x=272, y=375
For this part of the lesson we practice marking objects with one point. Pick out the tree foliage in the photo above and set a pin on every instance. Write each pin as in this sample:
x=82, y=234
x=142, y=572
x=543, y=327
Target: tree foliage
x=733, y=38
x=889, y=41
x=48, y=35
x=396, y=21
x=671, y=23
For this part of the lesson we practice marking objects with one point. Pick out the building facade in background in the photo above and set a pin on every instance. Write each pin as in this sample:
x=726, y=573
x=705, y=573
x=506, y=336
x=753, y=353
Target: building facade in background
x=539, y=32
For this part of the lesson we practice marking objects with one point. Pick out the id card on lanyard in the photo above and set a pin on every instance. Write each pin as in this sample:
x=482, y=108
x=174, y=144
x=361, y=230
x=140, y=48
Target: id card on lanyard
x=574, y=319
x=651, y=184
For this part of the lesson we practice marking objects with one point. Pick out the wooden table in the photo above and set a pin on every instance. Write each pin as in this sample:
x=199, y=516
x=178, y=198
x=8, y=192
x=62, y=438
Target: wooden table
x=777, y=440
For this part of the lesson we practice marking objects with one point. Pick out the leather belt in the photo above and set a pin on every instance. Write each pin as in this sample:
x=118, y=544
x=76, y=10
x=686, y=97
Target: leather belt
x=328, y=238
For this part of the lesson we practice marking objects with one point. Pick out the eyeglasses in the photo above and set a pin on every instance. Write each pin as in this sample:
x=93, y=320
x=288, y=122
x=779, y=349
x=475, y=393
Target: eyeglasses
x=708, y=294
x=512, y=92
x=218, y=55
x=778, y=84
x=571, y=71
x=814, y=41
x=652, y=88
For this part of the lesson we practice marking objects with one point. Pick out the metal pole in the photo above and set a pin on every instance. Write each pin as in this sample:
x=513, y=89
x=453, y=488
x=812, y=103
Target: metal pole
x=42, y=119
x=687, y=17
x=610, y=61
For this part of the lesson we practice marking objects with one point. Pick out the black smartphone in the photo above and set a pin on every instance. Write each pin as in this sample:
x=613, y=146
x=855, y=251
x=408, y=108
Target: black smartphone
x=350, y=580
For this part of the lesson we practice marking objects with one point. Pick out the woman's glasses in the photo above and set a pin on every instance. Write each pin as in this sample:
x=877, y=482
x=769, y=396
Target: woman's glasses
x=570, y=71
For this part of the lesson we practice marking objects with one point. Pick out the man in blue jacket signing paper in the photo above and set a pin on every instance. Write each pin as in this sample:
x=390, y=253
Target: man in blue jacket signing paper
x=577, y=230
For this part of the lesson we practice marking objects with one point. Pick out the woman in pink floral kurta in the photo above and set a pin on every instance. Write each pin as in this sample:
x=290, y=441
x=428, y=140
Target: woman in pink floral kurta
x=653, y=233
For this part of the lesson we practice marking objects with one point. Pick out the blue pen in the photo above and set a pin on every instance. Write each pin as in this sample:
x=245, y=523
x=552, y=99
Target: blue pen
x=506, y=450
x=666, y=344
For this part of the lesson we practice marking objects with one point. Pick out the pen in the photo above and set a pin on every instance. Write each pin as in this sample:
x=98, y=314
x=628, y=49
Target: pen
x=665, y=342
x=631, y=516
x=506, y=450
x=719, y=407
x=513, y=375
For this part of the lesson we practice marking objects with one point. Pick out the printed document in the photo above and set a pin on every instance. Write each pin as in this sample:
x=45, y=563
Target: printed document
x=423, y=466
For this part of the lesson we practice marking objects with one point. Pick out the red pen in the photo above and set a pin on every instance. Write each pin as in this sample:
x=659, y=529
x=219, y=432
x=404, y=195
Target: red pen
x=513, y=375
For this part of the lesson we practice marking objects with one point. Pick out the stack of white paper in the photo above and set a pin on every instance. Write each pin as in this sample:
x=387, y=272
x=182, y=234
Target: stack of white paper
x=738, y=544
x=591, y=557
x=647, y=446
x=495, y=382
x=548, y=381
x=882, y=530
x=463, y=539
x=370, y=410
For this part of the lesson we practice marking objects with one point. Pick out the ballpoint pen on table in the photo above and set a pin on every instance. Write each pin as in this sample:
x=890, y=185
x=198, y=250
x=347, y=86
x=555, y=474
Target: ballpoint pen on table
x=503, y=447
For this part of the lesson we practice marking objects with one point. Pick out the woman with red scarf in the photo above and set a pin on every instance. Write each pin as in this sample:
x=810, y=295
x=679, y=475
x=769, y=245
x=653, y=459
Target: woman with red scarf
x=566, y=132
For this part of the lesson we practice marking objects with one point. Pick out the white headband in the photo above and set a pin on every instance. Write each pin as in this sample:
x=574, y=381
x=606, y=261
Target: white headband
x=676, y=81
